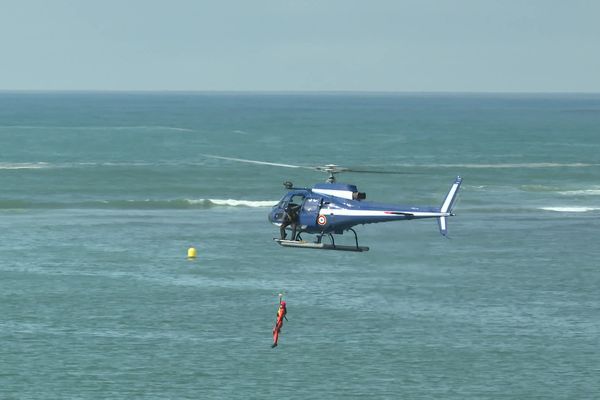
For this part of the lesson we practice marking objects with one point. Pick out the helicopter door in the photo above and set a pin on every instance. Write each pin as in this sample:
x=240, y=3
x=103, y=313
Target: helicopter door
x=310, y=211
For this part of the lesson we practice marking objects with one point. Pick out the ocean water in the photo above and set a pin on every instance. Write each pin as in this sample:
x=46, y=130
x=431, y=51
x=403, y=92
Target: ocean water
x=101, y=195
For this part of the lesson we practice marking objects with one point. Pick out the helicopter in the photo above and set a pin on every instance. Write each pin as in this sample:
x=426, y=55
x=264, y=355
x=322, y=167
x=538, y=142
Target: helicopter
x=331, y=208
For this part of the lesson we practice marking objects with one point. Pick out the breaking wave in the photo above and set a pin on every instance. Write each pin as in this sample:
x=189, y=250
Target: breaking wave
x=570, y=209
x=175, y=204
x=237, y=203
x=62, y=165
x=36, y=165
x=102, y=128
x=92, y=164
x=503, y=165
x=582, y=192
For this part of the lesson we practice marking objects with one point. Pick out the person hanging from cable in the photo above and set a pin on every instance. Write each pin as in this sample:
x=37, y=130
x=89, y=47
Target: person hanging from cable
x=281, y=312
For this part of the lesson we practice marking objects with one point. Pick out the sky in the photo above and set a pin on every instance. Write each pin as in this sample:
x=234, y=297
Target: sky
x=301, y=45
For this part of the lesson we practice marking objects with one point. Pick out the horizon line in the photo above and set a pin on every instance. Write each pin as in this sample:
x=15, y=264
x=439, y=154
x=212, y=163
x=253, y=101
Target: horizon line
x=293, y=92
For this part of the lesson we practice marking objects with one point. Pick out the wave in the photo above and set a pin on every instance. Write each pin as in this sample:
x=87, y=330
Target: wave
x=206, y=204
x=570, y=209
x=46, y=165
x=502, y=165
x=148, y=204
x=582, y=192
x=34, y=165
x=103, y=128
x=91, y=164
x=237, y=203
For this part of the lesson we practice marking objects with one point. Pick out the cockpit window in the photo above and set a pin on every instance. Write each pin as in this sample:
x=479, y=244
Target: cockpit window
x=280, y=204
x=297, y=199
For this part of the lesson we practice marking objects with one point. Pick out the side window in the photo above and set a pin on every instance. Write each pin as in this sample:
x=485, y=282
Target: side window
x=332, y=205
x=311, y=205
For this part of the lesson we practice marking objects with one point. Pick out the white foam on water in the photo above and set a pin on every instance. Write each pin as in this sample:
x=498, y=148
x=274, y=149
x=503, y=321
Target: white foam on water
x=509, y=165
x=570, y=209
x=582, y=192
x=237, y=203
x=38, y=165
x=103, y=128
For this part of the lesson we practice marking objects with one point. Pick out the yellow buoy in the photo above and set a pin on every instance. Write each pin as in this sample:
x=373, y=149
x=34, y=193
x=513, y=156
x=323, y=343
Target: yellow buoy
x=191, y=252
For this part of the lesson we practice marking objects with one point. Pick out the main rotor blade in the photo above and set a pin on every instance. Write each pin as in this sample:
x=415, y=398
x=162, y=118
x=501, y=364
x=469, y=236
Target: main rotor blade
x=329, y=168
x=376, y=171
x=256, y=162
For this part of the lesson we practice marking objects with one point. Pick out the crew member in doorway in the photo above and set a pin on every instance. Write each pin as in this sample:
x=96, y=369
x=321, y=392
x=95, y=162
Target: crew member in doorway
x=290, y=217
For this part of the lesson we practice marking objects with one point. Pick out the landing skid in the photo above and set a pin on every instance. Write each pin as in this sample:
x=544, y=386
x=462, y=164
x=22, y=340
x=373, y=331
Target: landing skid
x=320, y=245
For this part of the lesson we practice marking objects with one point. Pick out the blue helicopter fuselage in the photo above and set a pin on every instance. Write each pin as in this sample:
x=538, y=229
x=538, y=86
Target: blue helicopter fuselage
x=336, y=207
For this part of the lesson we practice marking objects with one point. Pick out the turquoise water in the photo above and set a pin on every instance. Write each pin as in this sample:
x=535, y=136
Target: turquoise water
x=103, y=193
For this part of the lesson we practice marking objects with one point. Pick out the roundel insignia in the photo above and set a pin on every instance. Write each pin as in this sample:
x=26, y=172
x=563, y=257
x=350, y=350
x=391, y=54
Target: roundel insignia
x=322, y=220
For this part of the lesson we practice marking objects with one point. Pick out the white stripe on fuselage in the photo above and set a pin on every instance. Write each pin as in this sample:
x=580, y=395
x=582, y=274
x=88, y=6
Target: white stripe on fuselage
x=344, y=194
x=378, y=213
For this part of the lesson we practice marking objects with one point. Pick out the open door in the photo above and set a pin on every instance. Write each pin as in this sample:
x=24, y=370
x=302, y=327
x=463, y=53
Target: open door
x=310, y=211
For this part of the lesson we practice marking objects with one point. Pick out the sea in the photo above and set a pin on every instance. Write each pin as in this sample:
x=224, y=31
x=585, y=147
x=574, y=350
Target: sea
x=103, y=193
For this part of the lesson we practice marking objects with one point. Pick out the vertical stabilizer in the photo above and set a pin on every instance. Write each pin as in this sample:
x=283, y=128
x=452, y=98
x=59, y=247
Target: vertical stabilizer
x=448, y=204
